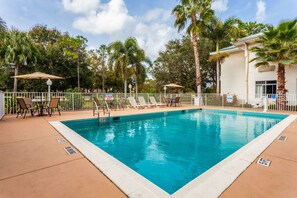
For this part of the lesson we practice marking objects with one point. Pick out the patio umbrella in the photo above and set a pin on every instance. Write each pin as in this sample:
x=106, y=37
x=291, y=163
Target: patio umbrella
x=173, y=85
x=39, y=75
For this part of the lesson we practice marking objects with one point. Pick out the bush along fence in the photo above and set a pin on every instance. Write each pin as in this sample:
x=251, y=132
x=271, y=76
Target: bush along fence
x=74, y=101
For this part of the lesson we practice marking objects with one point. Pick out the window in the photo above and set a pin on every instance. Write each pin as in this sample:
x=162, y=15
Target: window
x=265, y=88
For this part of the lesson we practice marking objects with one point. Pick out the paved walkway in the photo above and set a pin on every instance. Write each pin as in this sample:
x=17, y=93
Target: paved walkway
x=279, y=179
x=34, y=164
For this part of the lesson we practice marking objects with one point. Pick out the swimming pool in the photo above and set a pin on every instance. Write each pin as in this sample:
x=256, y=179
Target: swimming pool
x=170, y=149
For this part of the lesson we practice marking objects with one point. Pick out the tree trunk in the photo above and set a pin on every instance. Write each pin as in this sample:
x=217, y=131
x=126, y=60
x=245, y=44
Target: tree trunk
x=125, y=78
x=103, y=67
x=15, y=82
x=197, y=61
x=78, y=77
x=125, y=86
x=281, y=90
x=136, y=86
x=136, y=81
x=218, y=69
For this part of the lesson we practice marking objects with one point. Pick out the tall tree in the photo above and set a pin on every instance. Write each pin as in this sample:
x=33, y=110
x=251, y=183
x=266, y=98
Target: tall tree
x=278, y=45
x=218, y=31
x=137, y=61
x=19, y=50
x=177, y=64
x=196, y=13
x=74, y=48
x=102, y=51
x=123, y=56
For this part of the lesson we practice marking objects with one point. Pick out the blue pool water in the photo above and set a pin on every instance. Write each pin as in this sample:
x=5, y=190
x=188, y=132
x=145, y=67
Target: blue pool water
x=171, y=149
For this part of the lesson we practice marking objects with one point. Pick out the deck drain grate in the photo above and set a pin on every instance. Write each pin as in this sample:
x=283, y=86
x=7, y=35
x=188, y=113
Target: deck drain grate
x=283, y=138
x=60, y=140
x=264, y=162
x=70, y=150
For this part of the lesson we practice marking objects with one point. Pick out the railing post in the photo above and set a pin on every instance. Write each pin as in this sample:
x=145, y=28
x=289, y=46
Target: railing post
x=2, y=107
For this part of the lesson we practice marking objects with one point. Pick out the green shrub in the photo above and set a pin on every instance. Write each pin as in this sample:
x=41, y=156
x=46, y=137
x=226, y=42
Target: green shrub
x=73, y=98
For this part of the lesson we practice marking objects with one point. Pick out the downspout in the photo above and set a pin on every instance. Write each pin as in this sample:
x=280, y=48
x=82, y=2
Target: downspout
x=246, y=55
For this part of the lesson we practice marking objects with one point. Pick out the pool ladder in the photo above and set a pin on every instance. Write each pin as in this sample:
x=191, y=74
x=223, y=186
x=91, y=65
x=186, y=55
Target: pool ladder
x=105, y=120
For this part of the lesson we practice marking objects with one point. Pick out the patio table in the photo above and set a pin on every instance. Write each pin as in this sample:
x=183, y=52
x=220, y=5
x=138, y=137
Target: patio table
x=40, y=105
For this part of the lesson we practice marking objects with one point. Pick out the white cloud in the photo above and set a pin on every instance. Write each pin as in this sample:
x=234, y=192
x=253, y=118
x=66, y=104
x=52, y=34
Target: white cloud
x=112, y=19
x=153, y=37
x=157, y=14
x=220, y=5
x=261, y=11
x=80, y=6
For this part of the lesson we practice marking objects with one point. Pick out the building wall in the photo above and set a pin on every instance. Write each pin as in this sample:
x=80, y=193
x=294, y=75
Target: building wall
x=233, y=76
x=291, y=79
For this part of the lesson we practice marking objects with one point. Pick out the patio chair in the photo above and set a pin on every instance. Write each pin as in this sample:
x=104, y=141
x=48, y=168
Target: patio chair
x=165, y=101
x=121, y=103
x=54, y=104
x=133, y=103
x=176, y=101
x=30, y=103
x=143, y=103
x=24, y=108
x=154, y=102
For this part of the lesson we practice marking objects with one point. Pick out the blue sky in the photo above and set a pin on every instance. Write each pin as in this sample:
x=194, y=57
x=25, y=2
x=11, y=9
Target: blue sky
x=150, y=21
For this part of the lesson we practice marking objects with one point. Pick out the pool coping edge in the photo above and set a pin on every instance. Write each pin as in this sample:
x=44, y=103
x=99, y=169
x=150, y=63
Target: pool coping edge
x=130, y=182
x=217, y=179
x=212, y=183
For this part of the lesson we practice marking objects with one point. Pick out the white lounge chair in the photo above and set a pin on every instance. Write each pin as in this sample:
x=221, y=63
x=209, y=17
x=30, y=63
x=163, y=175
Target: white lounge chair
x=143, y=103
x=133, y=103
x=154, y=102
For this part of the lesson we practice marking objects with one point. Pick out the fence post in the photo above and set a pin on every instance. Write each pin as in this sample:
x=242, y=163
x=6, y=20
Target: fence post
x=72, y=95
x=2, y=110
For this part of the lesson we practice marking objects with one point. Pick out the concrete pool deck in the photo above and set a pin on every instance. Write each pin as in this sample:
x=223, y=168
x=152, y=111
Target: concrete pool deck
x=34, y=164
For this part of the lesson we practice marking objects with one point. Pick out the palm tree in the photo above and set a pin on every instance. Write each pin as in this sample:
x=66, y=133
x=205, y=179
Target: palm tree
x=2, y=25
x=197, y=12
x=102, y=51
x=278, y=45
x=123, y=57
x=137, y=60
x=219, y=31
x=19, y=50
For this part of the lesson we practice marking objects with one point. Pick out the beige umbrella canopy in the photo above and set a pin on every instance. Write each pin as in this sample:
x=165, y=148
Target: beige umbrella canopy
x=37, y=75
x=173, y=85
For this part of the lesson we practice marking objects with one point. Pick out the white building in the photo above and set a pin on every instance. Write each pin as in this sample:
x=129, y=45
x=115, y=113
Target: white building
x=240, y=77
